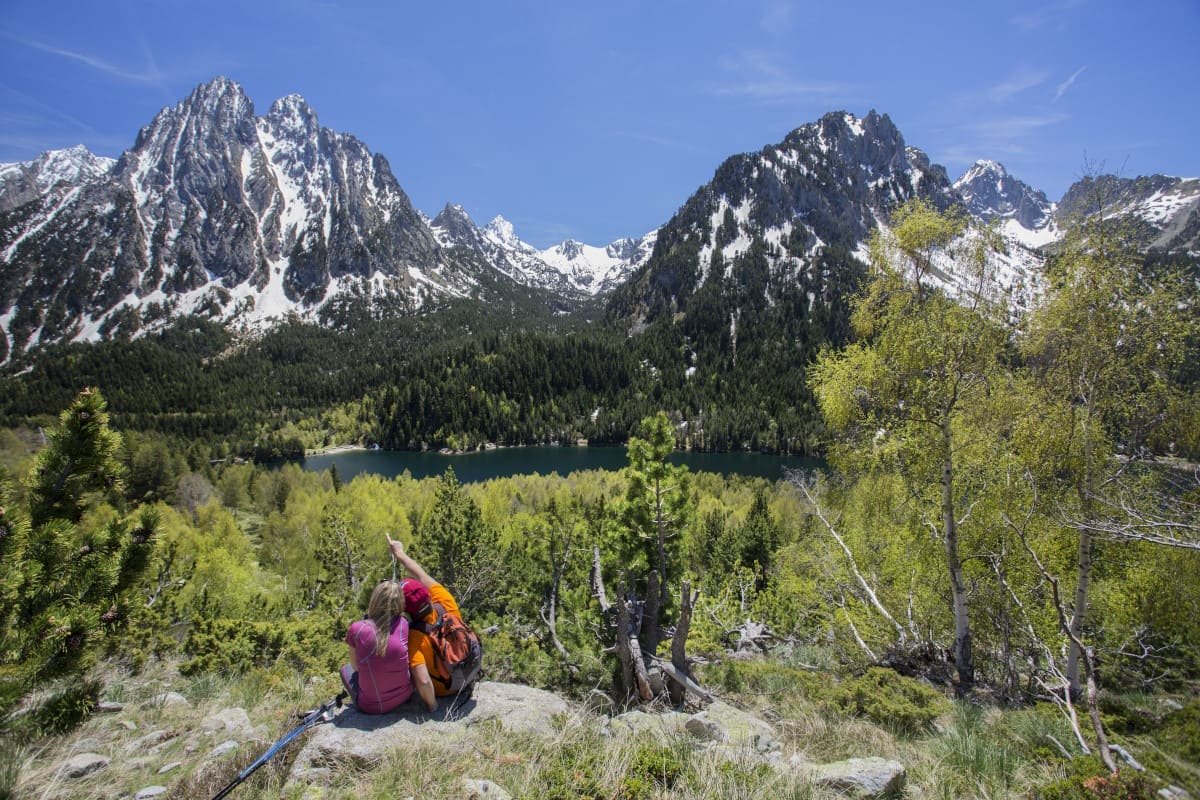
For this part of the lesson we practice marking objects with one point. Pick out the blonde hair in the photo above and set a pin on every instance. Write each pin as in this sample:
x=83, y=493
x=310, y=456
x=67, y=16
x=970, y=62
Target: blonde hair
x=387, y=603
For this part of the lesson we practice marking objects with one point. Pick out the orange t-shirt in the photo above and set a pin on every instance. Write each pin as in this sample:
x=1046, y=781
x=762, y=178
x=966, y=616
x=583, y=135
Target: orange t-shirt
x=420, y=649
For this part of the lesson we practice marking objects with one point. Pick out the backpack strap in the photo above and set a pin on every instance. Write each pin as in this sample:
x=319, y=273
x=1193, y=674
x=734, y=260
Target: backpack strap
x=428, y=628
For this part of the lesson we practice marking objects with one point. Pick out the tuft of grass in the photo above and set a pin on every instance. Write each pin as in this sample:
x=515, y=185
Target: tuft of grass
x=12, y=756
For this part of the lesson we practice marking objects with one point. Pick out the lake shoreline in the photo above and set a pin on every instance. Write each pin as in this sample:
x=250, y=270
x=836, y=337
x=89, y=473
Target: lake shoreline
x=479, y=465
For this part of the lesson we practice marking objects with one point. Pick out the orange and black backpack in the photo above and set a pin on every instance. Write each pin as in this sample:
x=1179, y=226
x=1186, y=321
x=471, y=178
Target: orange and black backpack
x=458, y=655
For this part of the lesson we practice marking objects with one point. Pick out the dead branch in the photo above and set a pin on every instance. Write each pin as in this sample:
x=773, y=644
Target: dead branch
x=1089, y=661
x=1065, y=753
x=683, y=680
x=804, y=486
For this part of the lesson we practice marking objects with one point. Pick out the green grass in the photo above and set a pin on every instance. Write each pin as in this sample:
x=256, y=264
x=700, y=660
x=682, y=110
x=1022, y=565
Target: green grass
x=968, y=751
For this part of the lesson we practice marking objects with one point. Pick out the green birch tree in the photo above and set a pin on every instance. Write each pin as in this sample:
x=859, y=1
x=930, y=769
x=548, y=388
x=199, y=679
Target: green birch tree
x=906, y=390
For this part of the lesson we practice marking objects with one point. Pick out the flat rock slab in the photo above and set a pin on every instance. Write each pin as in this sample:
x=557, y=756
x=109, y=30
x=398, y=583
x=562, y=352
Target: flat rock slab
x=361, y=739
x=82, y=765
x=862, y=777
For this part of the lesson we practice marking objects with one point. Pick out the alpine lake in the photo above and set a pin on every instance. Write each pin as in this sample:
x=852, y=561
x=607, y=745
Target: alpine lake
x=507, y=461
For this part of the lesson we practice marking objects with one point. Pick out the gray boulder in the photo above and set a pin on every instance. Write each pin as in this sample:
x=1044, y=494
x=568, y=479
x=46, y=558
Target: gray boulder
x=1174, y=793
x=233, y=722
x=355, y=738
x=861, y=777
x=723, y=723
x=227, y=746
x=82, y=765
x=169, y=700
x=150, y=792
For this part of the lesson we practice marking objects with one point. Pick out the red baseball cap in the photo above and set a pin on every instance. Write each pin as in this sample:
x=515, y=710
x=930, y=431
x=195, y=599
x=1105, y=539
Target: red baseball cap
x=416, y=597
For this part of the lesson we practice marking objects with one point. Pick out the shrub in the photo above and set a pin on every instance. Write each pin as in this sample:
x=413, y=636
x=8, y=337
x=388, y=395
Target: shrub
x=654, y=767
x=892, y=700
x=310, y=643
x=572, y=774
x=1089, y=780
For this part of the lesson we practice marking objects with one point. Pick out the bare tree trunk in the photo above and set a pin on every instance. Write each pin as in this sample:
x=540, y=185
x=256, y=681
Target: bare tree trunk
x=649, y=632
x=598, y=581
x=964, y=660
x=623, y=651
x=639, y=671
x=679, y=661
x=549, y=609
x=1087, y=497
x=1079, y=610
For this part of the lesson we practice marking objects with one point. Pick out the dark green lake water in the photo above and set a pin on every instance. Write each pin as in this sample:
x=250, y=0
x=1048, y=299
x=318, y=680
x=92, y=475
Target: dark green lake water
x=504, y=462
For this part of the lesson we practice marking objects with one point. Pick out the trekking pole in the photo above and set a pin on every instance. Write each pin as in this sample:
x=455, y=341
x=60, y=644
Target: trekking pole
x=322, y=714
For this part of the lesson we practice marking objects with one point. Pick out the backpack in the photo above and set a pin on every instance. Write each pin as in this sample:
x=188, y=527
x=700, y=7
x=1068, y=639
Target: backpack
x=458, y=655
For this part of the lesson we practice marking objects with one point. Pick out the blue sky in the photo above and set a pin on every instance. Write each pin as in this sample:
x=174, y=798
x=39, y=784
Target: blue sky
x=595, y=120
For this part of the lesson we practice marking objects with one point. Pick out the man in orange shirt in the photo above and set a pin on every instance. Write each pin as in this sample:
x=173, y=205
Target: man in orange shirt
x=419, y=596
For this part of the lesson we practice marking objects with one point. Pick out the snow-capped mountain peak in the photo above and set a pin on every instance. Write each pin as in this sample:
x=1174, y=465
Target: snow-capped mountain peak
x=502, y=232
x=72, y=166
x=990, y=192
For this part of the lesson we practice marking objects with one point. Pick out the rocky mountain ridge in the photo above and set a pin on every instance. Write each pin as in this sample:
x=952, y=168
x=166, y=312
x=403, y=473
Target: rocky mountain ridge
x=242, y=218
x=249, y=219
x=794, y=218
x=570, y=268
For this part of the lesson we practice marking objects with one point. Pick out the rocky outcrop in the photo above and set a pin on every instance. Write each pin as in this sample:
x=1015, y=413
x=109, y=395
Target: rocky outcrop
x=178, y=746
x=357, y=738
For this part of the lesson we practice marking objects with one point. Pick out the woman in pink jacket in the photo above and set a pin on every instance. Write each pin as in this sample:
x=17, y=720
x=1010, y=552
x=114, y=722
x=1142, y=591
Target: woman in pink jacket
x=377, y=676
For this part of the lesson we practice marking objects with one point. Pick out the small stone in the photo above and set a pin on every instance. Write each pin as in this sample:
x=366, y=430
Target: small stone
x=84, y=764
x=484, y=790
x=224, y=747
x=109, y=707
x=165, y=768
x=149, y=792
x=169, y=700
x=229, y=720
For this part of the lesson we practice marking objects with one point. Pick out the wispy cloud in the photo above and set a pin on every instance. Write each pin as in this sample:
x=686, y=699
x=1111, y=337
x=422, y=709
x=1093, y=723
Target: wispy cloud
x=759, y=76
x=1008, y=128
x=1016, y=84
x=1068, y=83
x=1048, y=14
x=151, y=76
x=1000, y=137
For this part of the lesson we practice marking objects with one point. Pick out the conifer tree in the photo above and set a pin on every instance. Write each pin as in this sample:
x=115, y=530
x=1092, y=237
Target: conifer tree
x=656, y=499
x=461, y=544
x=62, y=587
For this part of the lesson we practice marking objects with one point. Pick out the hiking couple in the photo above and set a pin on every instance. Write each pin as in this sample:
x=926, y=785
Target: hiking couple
x=412, y=636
